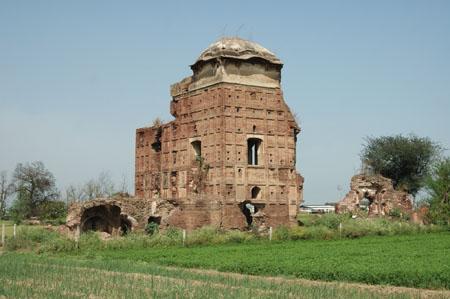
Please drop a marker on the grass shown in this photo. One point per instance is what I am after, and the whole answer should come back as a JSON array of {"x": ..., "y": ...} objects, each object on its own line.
[
  {"x": 419, "y": 261},
  {"x": 9, "y": 227},
  {"x": 370, "y": 251},
  {"x": 33, "y": 276}
]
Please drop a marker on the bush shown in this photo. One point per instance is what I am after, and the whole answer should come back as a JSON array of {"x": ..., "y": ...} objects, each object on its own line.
[
  {"x": 281, "y": 233},
  {"x": 152, "y": 228},
  {"x": 395, "y": 213},
  {"x": 39, "y": 239},
  {"x": 320, "y": 232},
  {"x": 236, "y": 236},
  {"x": 297, "y": 233},
  {"x": 44, "y": 240},
  {"x": 329, "y": 220},
  {"x": 52, "y": 209},
  {"x": 55, "y": 222},
  {"x": 332, "y": 220},
  {"x": 203, "y": 236},
  {"x": 173, "y": 233}
]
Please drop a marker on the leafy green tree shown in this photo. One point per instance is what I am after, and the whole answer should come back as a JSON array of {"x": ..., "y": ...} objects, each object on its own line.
[
  {"x": 437, "y": 186},
  {"x": 34, "y": 185},
  {"x": 405, "y": 160},
  {"x": 52, "y": 209}
]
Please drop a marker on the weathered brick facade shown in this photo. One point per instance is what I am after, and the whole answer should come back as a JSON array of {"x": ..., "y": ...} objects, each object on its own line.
[{"x": 229, "y": 157}]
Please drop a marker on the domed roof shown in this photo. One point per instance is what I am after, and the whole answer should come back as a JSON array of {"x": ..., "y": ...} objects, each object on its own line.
[{"x": 238, "y": 48}]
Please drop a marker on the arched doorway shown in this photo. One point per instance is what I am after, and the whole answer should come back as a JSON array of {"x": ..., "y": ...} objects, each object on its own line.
[{"x": 103, "y": 218}]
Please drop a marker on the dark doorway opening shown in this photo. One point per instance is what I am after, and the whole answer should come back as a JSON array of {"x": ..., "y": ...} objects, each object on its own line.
[
  {"x": 103, "y": 218},
  {"x": 154, "y": 219},
  {"x": 125, "y": 226}
]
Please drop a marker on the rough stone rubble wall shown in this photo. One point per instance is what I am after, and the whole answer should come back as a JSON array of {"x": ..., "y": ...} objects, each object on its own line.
[{"x": 383, "y": 198}]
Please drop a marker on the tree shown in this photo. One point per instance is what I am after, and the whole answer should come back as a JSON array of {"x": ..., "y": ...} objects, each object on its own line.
[
  {"x": 34, "y": 185},
  {"x": 405, "y": 160},
  {"x": 74, "y": 194},
  {"x": 6, "y": 190},
  {"x": 437, "y": 187},
  {"x": 52, "y": 209},
  {"x": 103, "y": 186}
]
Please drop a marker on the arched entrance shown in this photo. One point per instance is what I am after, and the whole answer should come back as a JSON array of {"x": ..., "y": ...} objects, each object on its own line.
[{"x": 105, "y": 218}]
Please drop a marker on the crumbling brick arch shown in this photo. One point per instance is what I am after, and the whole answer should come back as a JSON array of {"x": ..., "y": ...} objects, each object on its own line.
[
  {"x": 106, "y": 218},
  {"x": 380, "y": 193}
]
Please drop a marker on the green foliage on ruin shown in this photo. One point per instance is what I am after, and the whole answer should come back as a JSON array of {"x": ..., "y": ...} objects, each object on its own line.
[
  {"x": 404, "y": 159},
  {"x": 152, "y": 228}
]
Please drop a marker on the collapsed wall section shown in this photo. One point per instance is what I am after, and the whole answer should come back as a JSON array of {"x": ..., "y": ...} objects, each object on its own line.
[{"x": 379, "y": 195}]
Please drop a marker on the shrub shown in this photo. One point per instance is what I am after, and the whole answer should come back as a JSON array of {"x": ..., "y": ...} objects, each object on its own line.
[
  {"x": 91, "y": 240},
  {"x": 297, "y": 233},
  {"x": 173, "y": 233},
  {"x": 332, "y": 220},
  {"x": 152, "y": 228},
  {"x": 395, "y": 213},
  {"x": 281, "y": 233},
  {"x": 52, "y": 209},
  {"x": 203, "y": 236},
  {"x": 236, "y": 236},
  {"x": 39, "y": 239},
  {"x": 55, "y": 222},
  {"x": 320, "y": 232}
]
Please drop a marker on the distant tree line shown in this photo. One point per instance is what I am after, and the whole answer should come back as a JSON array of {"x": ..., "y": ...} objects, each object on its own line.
[{"x": 33, "y": 193}]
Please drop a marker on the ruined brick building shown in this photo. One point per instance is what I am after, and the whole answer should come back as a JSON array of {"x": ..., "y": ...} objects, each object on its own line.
[
  {"x": 228, "y": 158},
  {"x": 232, "y": 142}
]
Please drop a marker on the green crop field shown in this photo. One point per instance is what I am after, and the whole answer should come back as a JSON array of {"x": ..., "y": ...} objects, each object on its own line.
[
  {"x": 384, "y": 265},
  {"x": 419, "y": 261},
  {"x": 33, "y": 276}
]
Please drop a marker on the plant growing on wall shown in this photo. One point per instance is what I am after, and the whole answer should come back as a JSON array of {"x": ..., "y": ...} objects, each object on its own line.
[{"x": 200, "y": 175}]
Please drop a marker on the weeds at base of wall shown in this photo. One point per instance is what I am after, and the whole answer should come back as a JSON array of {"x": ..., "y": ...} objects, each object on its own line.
[{"x": 329, "y": 227}]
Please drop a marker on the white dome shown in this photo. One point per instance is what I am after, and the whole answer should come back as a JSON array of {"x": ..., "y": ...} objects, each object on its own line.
[{"x": 237, "y": 48}]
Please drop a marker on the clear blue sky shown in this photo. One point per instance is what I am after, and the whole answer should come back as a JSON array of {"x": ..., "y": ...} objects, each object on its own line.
[{"x": 78, "y": 77}]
